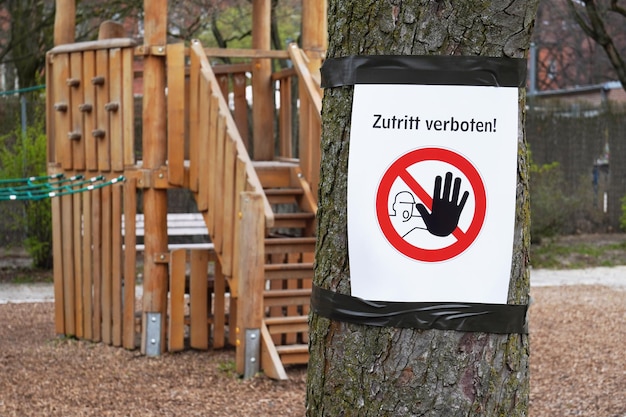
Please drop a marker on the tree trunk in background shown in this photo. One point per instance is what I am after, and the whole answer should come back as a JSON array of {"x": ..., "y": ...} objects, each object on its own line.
[{"x": 383, "y": 371}]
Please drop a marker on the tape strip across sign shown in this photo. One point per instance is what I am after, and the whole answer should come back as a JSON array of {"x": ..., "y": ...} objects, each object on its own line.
[{"x": 432, "y": 178}]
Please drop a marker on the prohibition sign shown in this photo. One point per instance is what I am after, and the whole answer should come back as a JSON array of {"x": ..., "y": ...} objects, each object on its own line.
[{"x": 398, "y": 170}]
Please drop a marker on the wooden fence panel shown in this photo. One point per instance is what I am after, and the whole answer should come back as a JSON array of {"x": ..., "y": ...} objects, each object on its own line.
[
  {"x": 96, "y": 233},
  {"x": 116, "y": 264},
  {"x": 114, "y": 110},
  {"x": 128, "y": 105},
  {"x": 130, "y": 262},
  {"x": 219, "y": 304},
  {"x": 77, "y": 217},
  {"x": 106, "y": 267},
  {"x": 204, "y": 138},
  {"x": 87, "y": 258},
  {"x": 211, "y": 150},
  {"x": 194, "y": 120},
  {"x": 102, "y": 120},
  {"x": 176, "y": 113},
  {"x": 58, "y": 274},
  {"x": 228, "y": 202},
  {"x": 76, "y": 98},
  {"x": 219, "y": 183},
  {"x": 198, "y": 300},
  {"x": 67, "y": 222},
  {"x": 62, "y": 104},
  {"x": 240, "y": 102},
  {"x": 89, "y": 111},
  {"x": 176, "y": 322}
]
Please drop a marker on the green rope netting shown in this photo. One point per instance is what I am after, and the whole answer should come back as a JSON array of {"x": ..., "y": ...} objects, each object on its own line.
[{"x": 38, "y": 188}]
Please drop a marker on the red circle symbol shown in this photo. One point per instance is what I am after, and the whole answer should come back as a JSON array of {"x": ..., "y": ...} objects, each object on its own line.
[{"x": 398, "y": 170}]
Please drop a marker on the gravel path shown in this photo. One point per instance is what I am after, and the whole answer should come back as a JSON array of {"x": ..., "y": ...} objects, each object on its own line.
[
  {"x": 613, "y": 277},
  {"x": 578, "y": 365}
]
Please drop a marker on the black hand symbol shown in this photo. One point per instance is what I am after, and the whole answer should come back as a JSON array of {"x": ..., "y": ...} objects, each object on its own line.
[{"x": 445, "y": 213}]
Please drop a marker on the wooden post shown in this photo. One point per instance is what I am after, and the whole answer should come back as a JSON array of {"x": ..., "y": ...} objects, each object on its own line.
[
  {"x": 251, "y": 284},
  {"x": 314, "y": 39},
  {"x": 64, "y": 22},
  {"x": 262, "y": 91},
  {"x": 154, "y": 143}
]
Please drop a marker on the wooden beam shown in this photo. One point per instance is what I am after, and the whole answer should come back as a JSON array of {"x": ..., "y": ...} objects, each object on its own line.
[
  {"x": 154, "y": 155},
  {"x": 262, "y": 91},
  {"x": 64, "y": 22}
]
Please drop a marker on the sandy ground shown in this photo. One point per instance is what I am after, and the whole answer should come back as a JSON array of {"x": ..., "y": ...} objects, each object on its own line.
[{"x": 578, "y": 365}]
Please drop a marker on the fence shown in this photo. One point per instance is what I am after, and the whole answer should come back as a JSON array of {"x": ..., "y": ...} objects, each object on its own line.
[{"x": 589, "y": 146}]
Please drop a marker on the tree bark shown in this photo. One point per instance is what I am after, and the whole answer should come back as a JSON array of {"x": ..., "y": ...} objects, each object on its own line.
[{"x": 383, "y": 371}]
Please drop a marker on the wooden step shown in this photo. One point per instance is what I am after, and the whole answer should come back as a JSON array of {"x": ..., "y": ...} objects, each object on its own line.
[
  {"x": 283, "y": 195},
  {"x": 289, "y": 297},
  {"x": 274, "y": 174},
  {"x": 293, "y": 354},
  {"x": 298, "y": 220},
  {"x": 290, "y": 324},
  {"x": 289, "y": 271},
  {"x": 275, "y": 245}
]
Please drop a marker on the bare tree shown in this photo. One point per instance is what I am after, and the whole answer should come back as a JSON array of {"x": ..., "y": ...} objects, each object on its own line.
[{"x": 603, "y": 21}]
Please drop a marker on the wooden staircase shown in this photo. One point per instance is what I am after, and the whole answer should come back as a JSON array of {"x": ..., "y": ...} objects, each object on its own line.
[{"x": 288, "y": 272}]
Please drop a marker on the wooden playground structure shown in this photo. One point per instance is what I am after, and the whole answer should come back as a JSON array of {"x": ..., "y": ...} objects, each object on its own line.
[{"x": 250, "y": 285}]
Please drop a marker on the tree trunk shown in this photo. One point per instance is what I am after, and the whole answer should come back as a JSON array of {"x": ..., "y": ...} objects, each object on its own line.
[{"x": 384, "y": 371}]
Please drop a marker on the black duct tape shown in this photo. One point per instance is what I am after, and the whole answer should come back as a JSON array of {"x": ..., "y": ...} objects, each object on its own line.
[
  {"x": 429, "y": 70},
  {"x": 465, "y": 317}
]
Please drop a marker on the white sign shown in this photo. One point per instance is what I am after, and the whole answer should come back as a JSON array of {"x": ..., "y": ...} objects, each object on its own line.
[{"x": 431, "y": 192}]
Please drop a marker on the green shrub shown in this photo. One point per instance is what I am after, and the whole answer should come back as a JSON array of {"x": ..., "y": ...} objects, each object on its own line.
[
  {"x": 556, "y": 211},
  {"x": 622, "y": 217},
  {"x": 24, "y": 155}
]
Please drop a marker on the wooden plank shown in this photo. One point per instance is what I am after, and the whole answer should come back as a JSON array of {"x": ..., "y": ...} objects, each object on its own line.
[
  {"x": 223, "y": 80},
  {"x": 128, "y": 105},
  {"x": 176, "y": 113},
  {"x": 89, "y": 115},
  {"x": 106, "y": 267},
  {"x": 270, "y": 360},
  {"x": 198, "y": 300},
  {"x": 219, "y": 304},
  {"x": 90, "y": 45},
  {"x": 176, "y": 323},
  {"x": 62, "y": 119},
  {"x": 115, "y": 116},
  {"x": 78, "y": 262},
  {"x": 116, "y": 264},
  {"x": 50, "y": 112},
  {"x": 251, "y": 261},
  {"x": 240, "y": 183},
  {"x": 130, "y": 262},
  {"x": 229, "y": 214},
  {"x": 292, "y": 284},
  {"x": 219, "y": 184},
  {"x": 262, "y": 89},
  {"x": 194, "y": 120},
  {"x": 211, "y": 151},
  {"x": 76, "y": 93},
  {"x": 205, "y": 138},
  {"x": 69, "y": 288},
  {"x": 58, "y": 275},
  {"x": 96, "y": 209},
  {"x": 102, "y": 119},
  {"x": 285, "y": 119},
  {"x": 246, "y": 53},
  {"x": 240, "y": 113}
]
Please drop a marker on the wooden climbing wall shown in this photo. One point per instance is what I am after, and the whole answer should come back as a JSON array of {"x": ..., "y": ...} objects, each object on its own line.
[
  {"x": 90, "y": 126},
  {"x": 91, "y": 88}
]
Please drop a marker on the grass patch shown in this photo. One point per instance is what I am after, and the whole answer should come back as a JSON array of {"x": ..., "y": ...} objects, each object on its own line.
[{"x": 565, "y": 254}]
